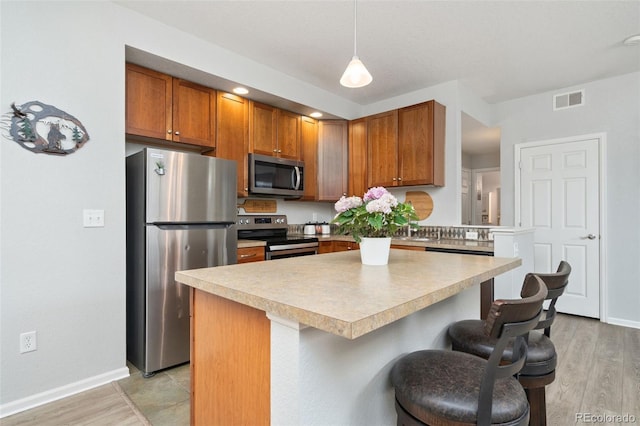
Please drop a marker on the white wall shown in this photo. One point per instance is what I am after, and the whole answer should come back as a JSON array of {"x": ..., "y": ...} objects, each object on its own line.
[
  {"x": 56, "y": 277},
  {"x": 612, "y": 106}
]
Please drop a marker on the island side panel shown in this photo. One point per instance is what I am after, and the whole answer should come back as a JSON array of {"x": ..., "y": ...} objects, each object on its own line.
[
  {"x": 230, "y": 362},
  {"x": 321, "y": 379}
]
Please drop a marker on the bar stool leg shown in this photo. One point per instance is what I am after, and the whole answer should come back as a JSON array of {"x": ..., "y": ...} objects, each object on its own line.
[{"x": 538, "y": 406}]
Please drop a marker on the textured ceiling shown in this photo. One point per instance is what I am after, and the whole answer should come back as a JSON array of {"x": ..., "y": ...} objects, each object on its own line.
[{"x": 501, "y": 50}]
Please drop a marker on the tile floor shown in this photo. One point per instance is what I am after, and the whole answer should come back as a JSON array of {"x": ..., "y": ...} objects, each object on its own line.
[{"x": 163, "y": 398}]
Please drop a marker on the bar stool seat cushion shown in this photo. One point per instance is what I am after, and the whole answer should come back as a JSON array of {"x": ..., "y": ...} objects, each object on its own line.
[
  {"x": 468, "y": 336},
  {"x": 435, "y": 385}
]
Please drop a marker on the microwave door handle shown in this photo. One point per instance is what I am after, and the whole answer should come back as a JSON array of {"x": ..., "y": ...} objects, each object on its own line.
[{"x": 295, "y": 177}]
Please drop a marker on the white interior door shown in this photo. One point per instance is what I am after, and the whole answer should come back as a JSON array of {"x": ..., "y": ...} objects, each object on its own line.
[{"x": 559, "y": 197}]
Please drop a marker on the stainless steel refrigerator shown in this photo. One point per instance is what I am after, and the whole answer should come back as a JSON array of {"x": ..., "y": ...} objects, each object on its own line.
[{"x": 181, "y": 214}]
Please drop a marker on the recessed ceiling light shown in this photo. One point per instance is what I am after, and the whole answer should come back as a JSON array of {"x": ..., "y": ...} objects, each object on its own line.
[
  {"x": 316, "y": 114},
  {"x": 634, "y": 40},
  {"x": 240, "y": 91}
]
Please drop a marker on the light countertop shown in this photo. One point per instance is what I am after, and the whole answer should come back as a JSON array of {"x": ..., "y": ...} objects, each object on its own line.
[
  {"x": 335, "y": 293},
  {"x": 251, "y": 243}
]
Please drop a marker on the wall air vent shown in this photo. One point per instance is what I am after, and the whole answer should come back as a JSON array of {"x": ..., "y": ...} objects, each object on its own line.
[{"x": 568, "y": 100}]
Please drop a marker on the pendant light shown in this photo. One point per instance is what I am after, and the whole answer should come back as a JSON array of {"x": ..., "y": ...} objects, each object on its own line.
[{"x": 356, "y": 75}]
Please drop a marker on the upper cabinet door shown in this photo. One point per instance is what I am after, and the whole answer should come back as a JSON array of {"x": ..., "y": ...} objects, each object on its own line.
[
  {"x": 332, "y": 159},
  {"x": 357, "y": 182},
  {"x": 421, "y": 144},
  {"x": 194, "y": 111},
  {"x": 288, "y": 135},
  {"x": 163, "y": 107},
  {"x": 148, "y": 104},
  {"x": 263, "y": 129},
  {"x": 232, "y": 135},
  {"x": 309, "y": 151},
  {"x": 415, "y": 144},
  {"x": 382, "y": 149}
]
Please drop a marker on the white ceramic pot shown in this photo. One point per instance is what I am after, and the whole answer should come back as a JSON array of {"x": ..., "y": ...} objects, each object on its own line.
[
  {"x": 309, "y": 230},
  {"x": 375, "y": 251}
]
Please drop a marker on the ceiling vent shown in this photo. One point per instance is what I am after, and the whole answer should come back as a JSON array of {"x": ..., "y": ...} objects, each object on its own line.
[{"x": 568, "y": 100}]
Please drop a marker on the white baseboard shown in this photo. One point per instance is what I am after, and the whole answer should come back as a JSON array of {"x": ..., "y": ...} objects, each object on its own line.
[
  {"x": 62, "y": 392},
  {"x": 623, "y": 322}
]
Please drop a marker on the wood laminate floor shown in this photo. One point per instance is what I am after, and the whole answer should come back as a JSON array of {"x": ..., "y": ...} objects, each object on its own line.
[
  {"x": 598, "y": 373},
  {"x": 597, "y": 380}
]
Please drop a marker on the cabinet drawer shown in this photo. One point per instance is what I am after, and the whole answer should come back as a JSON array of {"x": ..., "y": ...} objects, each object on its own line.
[
  {"x": 345, "y": 245},
  {"x": 250, "y": 254}
]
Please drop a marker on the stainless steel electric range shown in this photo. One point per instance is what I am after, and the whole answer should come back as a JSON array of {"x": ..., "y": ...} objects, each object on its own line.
[{"x": 273, "y": 229}]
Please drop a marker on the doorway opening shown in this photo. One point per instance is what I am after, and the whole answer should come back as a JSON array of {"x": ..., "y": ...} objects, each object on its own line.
[{"x": 480, "y": 173}]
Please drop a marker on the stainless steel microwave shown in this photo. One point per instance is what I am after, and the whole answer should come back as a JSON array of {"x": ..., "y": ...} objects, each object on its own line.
[{"x": 275, "y": 177}]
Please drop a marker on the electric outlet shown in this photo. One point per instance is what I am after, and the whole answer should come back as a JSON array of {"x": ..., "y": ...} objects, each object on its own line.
[
  {"x": 471, "y": 235},
  {"x": 93, "y": 218},
  {"x": 314, "y": 217},
  {"x": 28, "y": 342}
]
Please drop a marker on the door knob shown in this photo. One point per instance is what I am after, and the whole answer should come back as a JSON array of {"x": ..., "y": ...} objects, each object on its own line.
[{"x": 591, "y": 236}]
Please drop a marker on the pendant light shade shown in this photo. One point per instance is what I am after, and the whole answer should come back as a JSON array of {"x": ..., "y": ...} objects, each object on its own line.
[{"x": 356, "y": 74}]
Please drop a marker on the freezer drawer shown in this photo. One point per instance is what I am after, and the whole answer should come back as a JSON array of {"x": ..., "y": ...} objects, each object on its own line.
[{"x": 162, "y": 326}]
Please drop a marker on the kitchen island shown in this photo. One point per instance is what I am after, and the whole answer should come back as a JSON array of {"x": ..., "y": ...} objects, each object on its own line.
[{"x": 311, "y": 340}]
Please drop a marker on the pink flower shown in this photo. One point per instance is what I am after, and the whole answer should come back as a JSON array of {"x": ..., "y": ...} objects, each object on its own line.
[
  {"x": 384, "y": 204},
  {"x": 346, "y": 203},
  {"x": 375, "y": 193}
]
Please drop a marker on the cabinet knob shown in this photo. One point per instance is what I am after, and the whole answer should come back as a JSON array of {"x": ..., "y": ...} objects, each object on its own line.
[
  {"x": 177, "y": 133},
  {"x": 275, "y": 150},
  {"x": 279, "y": 151},
  {"x": 394, "y": 179},
  {"x": 169, "y": 131},
  {"x": 400, "y": 179}
]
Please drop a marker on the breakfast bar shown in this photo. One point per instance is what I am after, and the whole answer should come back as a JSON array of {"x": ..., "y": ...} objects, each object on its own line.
[{"x": 311, "y": 340}]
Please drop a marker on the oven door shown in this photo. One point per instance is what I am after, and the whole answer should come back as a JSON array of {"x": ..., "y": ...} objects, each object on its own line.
[{"x": 291, "y": 250}]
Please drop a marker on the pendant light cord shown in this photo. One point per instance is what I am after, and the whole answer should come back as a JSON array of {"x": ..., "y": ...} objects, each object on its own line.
[{"x": 355, "y": 27}]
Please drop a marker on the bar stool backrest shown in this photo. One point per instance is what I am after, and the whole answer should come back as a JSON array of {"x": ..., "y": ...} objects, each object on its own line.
[
  {"x": 556, "y": 284},
  {"x": 509, "y": 319}
]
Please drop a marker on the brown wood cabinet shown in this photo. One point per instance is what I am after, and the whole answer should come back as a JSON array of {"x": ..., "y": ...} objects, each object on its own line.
[
  {"x": 332, "y": 159},
  {"x": 382, "y": 149},
  {"x": 163, "y": 107},
  {"x": 357, "y": 170},
  {"x": 309, "y": 150},
  {"x": 345, "y": 246},
  {"x": 251, "y": 254},
  {"x": 325, "y": 247},
  {"x": 232, "y": 135},
  {"x": 421, "y": 144},
  {"x": 274, "y": 132},
  {"x": 405, "y": 147},
  {"x": 230, "y": 362}
]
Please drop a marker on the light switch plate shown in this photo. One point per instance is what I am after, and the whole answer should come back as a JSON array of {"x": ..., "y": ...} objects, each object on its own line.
[
  {"x": 471, "y": 235},
  {"x": 93, "y": 218}
]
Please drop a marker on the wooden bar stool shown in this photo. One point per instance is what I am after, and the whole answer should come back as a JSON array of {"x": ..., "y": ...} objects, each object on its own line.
[
  {"x": 436, "y": 387},
  {"x": 540, "y": 368}
]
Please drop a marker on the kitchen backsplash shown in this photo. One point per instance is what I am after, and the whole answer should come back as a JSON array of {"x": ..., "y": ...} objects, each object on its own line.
[{"x": 445, "y": 232}]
